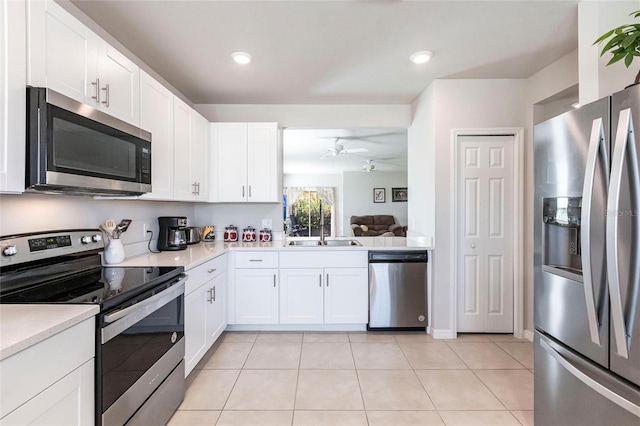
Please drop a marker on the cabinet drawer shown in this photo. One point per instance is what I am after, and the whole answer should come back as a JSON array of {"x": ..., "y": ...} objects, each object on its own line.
[
  {"x": 323, "y": 259},
  {"x": 205, "y": 272},
  {"x": 256, "y": 259}
]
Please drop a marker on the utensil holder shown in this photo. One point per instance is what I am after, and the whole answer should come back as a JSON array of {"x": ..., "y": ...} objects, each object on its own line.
[{"x": 114, "y": 252}]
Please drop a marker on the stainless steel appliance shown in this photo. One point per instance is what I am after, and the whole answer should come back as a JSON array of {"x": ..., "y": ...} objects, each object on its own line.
[
  {"x": 139, "y": 336},
  {"x": 193, "y": 234},
  {"x": 397, "y": 290},
  {"x": 73, "y": 148},
  {"x": 173, "y": 233},
  {"x": 587, "y": 264}
]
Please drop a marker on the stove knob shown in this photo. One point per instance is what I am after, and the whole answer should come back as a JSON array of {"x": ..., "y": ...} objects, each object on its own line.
[
  {"x": 85, "y": 240},
  {"x": 96, "y": 238},
  {"x": 9, "y": 251}
]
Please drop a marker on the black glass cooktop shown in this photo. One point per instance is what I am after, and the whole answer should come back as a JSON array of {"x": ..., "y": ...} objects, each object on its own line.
[{"x": 81, "y": 280}]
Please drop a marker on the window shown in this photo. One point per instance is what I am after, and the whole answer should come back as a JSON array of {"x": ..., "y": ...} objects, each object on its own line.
[{"x": 304, "y": 207}]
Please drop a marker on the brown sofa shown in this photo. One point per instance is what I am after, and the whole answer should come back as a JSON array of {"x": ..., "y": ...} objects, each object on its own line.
[{"x": 376, "y": 224}]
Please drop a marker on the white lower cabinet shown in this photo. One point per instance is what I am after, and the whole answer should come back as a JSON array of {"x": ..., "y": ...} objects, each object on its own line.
[
  {"x": 324, "y": 296},
  {"x": 256, "y": 296},
  {"x": 49, "y": 384},
  {"x": 205, "y": 309}
]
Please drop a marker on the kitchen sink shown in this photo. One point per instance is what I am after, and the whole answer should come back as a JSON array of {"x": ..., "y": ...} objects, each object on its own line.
[
  {"x": 316, "y": 243},
  {"x": 341, "y": 243}
]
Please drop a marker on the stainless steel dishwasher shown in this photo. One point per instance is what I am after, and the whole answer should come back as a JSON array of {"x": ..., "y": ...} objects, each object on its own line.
[{"x": 397, "y": 289}]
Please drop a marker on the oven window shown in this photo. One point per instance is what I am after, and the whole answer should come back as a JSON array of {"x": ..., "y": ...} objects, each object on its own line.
[
  {"x": 92, "y": 153},
  {"x": 126, "y": 357}
]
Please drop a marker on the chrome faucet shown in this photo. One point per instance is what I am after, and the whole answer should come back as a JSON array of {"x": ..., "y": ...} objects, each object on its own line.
[{"x": 321, "y": 222}]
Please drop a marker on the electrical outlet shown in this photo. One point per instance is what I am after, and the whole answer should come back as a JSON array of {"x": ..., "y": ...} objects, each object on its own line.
[
  {"x": 266, "y": 223},
  {"x": 145, "y": 228}
]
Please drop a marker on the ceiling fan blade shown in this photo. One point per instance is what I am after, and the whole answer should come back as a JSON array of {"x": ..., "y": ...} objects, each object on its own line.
[{"x": 355, "y": 150}]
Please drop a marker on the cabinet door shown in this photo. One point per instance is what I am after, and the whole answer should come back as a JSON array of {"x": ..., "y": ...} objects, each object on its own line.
[
  {"x": 217, "y": 308},
  {"x": 119, "y": 84},
  {"x": 183, "y": 188},
  {"x": 256, "y": 296},
  {"x": 301, "y": 296},
  {"x": 346, "y": 296},
  {"x": 61, "y": 54},
  {"x": 262, "y": 162},
  {"x": 230, "y": 158},
  {"x": 195, "y": 320},
  {"x": 12, "y": 95},
  {"x": 199, "y": 157},
  {"x": 69, "y": 401},
  {"x": 156, "y": 116}
]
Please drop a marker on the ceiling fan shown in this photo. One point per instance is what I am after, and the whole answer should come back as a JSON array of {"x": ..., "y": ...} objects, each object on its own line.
[
  {"x": 369, "y": 167},
  {"x": 337, "y": 148}
]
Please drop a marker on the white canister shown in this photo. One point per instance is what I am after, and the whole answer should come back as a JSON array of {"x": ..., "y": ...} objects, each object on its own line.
[{"x": 114, "y": 252}]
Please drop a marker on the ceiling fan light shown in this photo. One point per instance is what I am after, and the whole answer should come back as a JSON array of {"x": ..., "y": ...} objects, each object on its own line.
[
  {"x": 242, "y": 58},
  {"x": 421, "y": 57}
]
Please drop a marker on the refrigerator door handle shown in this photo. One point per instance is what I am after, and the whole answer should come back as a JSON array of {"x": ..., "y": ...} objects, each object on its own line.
[
  {"x": 593, "y": 384},
  {"x": 623, "y": 134},
  {"x": 597, "y": 146}
]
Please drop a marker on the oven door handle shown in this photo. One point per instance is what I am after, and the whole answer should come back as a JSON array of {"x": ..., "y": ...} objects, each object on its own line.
[{"x": 135, "y": 313}]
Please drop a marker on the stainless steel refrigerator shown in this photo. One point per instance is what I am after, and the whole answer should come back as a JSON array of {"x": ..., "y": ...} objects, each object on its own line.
[{"x": 587, "y": 264}]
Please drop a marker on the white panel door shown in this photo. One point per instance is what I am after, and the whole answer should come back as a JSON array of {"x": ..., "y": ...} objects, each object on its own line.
[
  {"x": 262, "y": 162},
  {"x": 216, "y": 308},
  {"x": 346, "y": 294},
  {"x": 256, "y": 296},
  {"x": 183, "y": 188},
  {"x": 156, "y": 117},
  {"x": 301, "y": 296},
  {"x": 200, "y": 157},
  {"x": 485, "y": 234},
  {"x": 231, "y": 162}
]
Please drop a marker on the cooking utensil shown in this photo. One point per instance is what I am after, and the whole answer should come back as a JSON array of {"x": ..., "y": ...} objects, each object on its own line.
[
  {"x": 109, "y": 226},
  {"x": 124, "y": 225}
]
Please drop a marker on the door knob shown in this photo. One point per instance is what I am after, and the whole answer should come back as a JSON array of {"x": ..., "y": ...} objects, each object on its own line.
[{"x": 473, "y": 246}]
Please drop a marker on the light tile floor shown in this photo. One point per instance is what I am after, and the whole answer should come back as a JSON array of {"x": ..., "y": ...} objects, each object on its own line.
[{"x": 393, "y": 379}]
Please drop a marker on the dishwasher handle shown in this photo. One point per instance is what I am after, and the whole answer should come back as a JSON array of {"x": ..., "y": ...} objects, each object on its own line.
[{"x": 399, "y": 256}]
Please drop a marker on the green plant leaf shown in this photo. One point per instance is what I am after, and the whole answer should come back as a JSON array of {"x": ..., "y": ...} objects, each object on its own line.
[
  {"x": 604, "y": 36},
  {"x": 628, "y": 59},
  {"x": 616, "y": 57}
]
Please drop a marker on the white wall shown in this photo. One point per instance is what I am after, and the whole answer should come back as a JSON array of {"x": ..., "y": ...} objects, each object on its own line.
[
  {"x": 45, "y": 212},
  {"x": 241, "y": 215},
  {"x": 312, "y": 116},
  {"x": 324, "y": 180},
  {"x": 453, "y": 104},
  {"x": 358, "y": 196},
  {"x": 595, "y": 18}
]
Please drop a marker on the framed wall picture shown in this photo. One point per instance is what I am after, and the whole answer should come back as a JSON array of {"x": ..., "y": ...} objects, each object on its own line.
[
  {"x": 378, "y": 195},
  {"x": 398, "y": 194}
]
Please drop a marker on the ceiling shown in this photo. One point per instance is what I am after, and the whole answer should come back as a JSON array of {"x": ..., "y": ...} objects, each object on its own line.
[
  {"x": 306, "y": 151},
  {"x": 335, "y": 52}
]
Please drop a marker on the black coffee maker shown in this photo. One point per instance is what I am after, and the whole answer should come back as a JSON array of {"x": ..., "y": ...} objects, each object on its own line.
[{"x": 173, "y": 235}]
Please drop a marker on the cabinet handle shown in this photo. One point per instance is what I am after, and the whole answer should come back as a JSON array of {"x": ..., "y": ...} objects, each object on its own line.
[
  {"x": 198, "y": 188},
  {"x": 327, "y": 280},
  {"x": 97, "y": 84},
  {"x": 249, "y": 191},
  {"x": 242, "y": 191},
  {"x": 214, "y": 293},
  {"x": 211, "y": 271},
  {"x": 274, "y": 280},
  {"x": 209, "y": 296},
  {"x": 320, "y": 280},
  {"x": 255, "y": 260},
  {"x": 106, "y": 89}
]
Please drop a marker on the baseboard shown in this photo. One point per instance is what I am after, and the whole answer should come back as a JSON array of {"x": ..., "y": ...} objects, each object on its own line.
[
  {"x": 528, "y": 335},
  {"x": 296, "y": 327},
  {"x": 443, "y": 334}
]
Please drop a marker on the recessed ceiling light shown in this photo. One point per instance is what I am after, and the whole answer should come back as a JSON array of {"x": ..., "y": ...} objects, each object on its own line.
[
  {"x": 576, "y": 105},
  {"x": 421, "y": 57},
  {"x": 241, "y": 57}
]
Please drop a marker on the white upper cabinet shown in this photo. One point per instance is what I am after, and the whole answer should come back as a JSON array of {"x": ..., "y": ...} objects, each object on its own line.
[
  {"x": 65, "y": 56},
  {"x": 190, "y": 152},
  {"x": 12, "y": 95},
  {"x": 245, "y": 156},
  {"x": 156, "y": 117}
]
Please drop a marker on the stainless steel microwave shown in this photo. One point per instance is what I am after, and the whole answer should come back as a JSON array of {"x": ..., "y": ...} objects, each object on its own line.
[{"x": 73, "y": 148}]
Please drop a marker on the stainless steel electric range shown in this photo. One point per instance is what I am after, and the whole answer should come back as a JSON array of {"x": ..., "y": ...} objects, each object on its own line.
[{"x": 139, "y": 337}]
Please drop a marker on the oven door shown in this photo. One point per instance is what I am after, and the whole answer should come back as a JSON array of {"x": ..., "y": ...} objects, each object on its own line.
[{"x": 140, "y": 345}]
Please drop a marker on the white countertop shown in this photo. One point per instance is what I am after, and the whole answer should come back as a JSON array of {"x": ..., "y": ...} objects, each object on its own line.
[
  {"x": 196, "y": 254},
  {"x": 22, "y": 326}
]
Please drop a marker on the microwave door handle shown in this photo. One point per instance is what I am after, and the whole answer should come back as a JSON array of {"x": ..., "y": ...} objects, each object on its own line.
[
  {"x": 597, "y": 146},
  {"x": 623, "y": 134}
]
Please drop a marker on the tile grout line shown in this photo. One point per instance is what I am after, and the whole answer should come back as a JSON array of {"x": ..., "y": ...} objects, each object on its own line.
[{"x": 235, "y": 382}]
